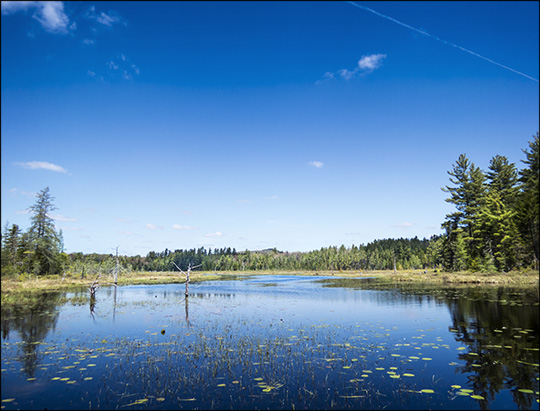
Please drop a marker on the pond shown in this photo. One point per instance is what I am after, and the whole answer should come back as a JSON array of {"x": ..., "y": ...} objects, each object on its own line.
[{"x": 273, "y": 342}]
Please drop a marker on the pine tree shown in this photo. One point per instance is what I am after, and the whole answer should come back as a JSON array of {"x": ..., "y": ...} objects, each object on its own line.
[
  {"x": 43, "y": 244},
  {"x": 11, "y": 241},
  {"x": 468, "y": 196},
  {"x": 527, "y": 205},
  {"x": 503, "y": 177},
  {"x": 496, "y": 227}
]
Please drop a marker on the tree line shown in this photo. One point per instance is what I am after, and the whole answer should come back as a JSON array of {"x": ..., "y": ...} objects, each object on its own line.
[
  {"x": 495, "y": 227},
  {"x": 39, "y": 250}
]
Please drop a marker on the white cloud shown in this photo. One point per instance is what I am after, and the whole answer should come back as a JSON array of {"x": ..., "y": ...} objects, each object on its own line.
[
  {"x": 36, "y": 165},
  {"x": 371, "y": 62},
  {"x": 89, "y": 42},
  {"x": 366, "y": 64},
  {"x": 317, "y": 164},
  {"x": 50, "y": 14},
  {"x": 346, "y": 74},
  {"x": 9, "y": 7},
  {"x": 183, "y": 227},
  {"x": 107, "y": 19},
  {"x": 216, "y": 234}
]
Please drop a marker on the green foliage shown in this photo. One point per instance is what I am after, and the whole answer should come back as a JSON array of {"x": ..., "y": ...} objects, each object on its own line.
[
  {"x": 37, "y": 251},
  {"x": 496, "y": 223}
]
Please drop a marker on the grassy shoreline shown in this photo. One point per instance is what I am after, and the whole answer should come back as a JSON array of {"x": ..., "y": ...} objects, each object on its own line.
[{"x": 70, "y": 283}]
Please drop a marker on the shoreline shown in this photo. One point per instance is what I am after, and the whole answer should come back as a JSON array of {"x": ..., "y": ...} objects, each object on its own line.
[{"x": 528, "y": 279}]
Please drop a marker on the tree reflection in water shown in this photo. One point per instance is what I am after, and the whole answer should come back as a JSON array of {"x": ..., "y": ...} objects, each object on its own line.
[
  {"x": 499, "y": 326},
  {"x": 33, "y": 316},
  {"x": 498, "y": 355}
]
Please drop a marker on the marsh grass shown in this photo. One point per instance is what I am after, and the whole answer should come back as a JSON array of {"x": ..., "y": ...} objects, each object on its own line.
[{"x": 74, "y": 283}]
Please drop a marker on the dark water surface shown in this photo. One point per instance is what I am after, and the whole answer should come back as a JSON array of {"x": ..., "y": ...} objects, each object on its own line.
[{"x": 273, "y": 342}]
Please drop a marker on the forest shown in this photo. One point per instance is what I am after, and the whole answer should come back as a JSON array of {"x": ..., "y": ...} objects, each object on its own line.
[{"x": 495, "y": 228}]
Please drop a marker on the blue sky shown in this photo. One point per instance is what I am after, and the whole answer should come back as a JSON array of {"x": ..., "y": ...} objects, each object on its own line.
[{"x": 295, "y": 125}]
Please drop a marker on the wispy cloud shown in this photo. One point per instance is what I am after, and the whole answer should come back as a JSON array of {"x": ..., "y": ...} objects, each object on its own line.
[
  {"x": 154, "y": 227},
  {"x": 112, "y": 65},
  {"x": 366, "y": 65},
  {"x": 124, "y": 66},
  {"x": 123, "y": 220},
  {"x": 317, "y": 164},
  {"x": 72, "y": 229},
  {"x": 16, "y": 191},
  {"x": 405, "y": 224},
  {"x": 42, "y": 165},
  {"x": 50, "y": 14},
  {"x": 107, "y": 19},
  {"x": 60, "y": 217},
  {"x": 127, "y": 233},
  {"x": 216, "y": 234},
  {"x": 183, "y": 227},
  {"x": 371, "y": 62}
]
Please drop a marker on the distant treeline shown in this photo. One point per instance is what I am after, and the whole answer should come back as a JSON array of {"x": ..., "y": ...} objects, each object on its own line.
[
  {"x": 378, "y": 255},
  {"x": 495, "y": 227}
]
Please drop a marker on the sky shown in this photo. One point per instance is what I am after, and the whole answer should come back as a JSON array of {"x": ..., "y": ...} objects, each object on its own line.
[{"x": 254, "y": 125}]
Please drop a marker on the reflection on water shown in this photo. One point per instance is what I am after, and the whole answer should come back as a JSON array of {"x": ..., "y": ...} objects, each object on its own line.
[
  {"x": 497, "y": 326},
  {"x": 276, "y": 342}
]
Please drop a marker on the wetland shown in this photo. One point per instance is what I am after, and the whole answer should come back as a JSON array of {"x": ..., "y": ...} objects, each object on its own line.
[{"x": 273, "y": 342}]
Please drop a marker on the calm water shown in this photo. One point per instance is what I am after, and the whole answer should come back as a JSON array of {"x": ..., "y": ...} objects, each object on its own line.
[{"x": 273, "y": 342}]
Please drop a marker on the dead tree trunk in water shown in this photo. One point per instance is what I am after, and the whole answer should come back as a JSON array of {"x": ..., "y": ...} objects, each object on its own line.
[
  {"x": 116, "y": 268},
  {"x": 187, "y": 275},
  {"x": 92, "y": 290}
]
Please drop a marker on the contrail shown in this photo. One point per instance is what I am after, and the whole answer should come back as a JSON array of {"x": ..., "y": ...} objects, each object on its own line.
[{"x": 439, "y": 39}]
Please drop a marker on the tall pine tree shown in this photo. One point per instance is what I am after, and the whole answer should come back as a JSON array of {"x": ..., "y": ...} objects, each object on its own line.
[
  {"x": 42, "y": 241},
  {"x": 527, "y": 207}
]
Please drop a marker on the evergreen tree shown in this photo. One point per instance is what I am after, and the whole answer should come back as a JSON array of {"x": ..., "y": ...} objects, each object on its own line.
[
  {"x": 502, "y": 178},
  {"x": 496, "y": 227},
  {"x": 43, "y": 244},
  {"x": 11, "y": 241},
  {"x": 527, "y": 206},
  {"x": 467, "y": 195}
]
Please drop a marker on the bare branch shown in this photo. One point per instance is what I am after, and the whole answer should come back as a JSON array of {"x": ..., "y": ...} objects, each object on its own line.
[{"x": 179, "y": 269}]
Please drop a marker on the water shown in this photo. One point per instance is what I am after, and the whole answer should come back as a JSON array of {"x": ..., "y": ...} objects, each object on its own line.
[{"x": 273, "y": 342}]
